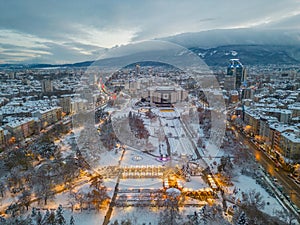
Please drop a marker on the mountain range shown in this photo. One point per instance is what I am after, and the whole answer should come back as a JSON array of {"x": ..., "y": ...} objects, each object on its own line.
[{"x": 216, "y": 47}]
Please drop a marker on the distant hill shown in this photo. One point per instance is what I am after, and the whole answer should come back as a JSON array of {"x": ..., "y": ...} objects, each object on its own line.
[
  {"x": 39, "y": 66},
  {"x": 218, "y": 56},
  {"x": 252, "y": 46},
  {"x": 249, "y": 54},
  {"x": 245, "y": 36},
  {"x": 216, "y": 47}
]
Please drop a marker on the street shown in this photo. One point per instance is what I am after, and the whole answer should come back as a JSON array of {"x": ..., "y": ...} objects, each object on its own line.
[{"x": 289, "y": 186}]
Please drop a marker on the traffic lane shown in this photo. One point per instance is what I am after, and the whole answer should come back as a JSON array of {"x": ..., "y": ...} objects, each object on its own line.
[
  {"x": 289, "y": 186},
  {"x": 281, "y": 174}
]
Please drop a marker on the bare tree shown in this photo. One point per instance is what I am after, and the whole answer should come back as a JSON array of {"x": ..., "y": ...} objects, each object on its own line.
[
  {"x": 2, "y": 188},
  {"x": 43, "y": 185},
  {"x": 170, "y": 216},
  {"x": 80, "y": 198},
  {"x": 72, "y": 200},
  {"x": 15, "y": 179},
  {"x": 252, "y": 204},
  {"x": 98, "y": 193},
  {"x": 24, "y": 199},
  {"x": 253, "y": 199},
  {"x": 13, "y": 209},
  {"x": 212, "y": 215}
]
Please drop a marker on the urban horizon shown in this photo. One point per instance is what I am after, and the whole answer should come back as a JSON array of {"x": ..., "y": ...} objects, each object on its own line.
[{"x": 162, "y": 113}]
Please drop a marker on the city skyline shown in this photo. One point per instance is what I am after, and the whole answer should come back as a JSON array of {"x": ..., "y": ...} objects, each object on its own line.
[
  {"x": 149, "y": 112},
  {"x": 99, "y": 151}
]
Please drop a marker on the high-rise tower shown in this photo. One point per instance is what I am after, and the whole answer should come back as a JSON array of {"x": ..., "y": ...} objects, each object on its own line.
[
  {"x": 237, "y": 70},
  {"x": 46, "y": 84}
]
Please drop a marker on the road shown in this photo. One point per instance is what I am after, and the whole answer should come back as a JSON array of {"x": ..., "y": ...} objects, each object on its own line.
[{"x": 289, "y": 186}]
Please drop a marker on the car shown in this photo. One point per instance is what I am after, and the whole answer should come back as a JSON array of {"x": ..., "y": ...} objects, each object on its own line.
[
  {"x": 281, "y": 197},
  {"x": 277, "y": 165}
]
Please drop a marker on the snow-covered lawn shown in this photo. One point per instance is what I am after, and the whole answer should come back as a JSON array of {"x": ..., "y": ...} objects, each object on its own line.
[
  {"x": 86, "y": 217},
  {"x": 245, "y": 184},
  {"x": 145, "y": 215},
  {"x": 110, "y": 158},
  {"x": 142, "y": 183},
  {"x": 137, "y": 215}
]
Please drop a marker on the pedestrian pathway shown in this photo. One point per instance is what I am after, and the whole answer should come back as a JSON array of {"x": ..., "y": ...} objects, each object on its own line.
[{"x": 113, "y": 199}]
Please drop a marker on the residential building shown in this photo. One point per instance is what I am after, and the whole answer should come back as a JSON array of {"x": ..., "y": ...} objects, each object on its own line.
[{"x": 290, "y": 145}]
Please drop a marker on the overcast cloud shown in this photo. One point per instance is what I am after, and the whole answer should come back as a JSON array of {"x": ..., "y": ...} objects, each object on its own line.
[{"x": 67, "y": 31}]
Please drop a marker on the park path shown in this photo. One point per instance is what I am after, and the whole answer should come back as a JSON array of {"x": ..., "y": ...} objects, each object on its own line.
[{"x": 113, "y": 199}]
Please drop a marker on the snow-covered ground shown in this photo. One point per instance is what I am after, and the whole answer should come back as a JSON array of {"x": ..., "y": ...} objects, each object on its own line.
[
  {"x": 244, "y": 184},
  {"x": 171, "y": 127},
  {"x": 86, "y": 217},
  {"x": 138, "y": 158},
  {"x": 196, "y": 183},
  {"x": 110, "y": 158},
  {"x": 180, "y": 144},
  {"x": 142, "y": 183},
  {"x": 145, "y": 215},
  {"x": 211, "y": 155},
  {"x": 137, "y": 215}
]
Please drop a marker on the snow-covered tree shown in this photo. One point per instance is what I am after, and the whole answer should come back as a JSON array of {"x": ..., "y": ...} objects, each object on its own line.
[
  {"x": 2, "y": 220},
  {"x": 80, "y": 198},
  {"x": 51, "y": 219},
  {"x": 72, "y": 200},
  {"x": 242, "y": 219},
  {"x": 123, "y": 222},
  {"x": 33, "y": 212},
  {"x": 2, "y": 189},
  {"x": 96, "y": 181},
  {"x": 253, "y": 199},
  {"x": 72, "y": 221},
  {"x": 59, "y": 217},
  {"x": 126, "y": 222},
  {"x": 212, "y": 215},
  {"x": 38, "y": 218},
  {"x": 25, "y": 198},
  {"x": 27, "y": 221},
  {"x": 98, "y": 193},
  {"x": 43, "y": 184},
  {"x": 13, "y": 209},
  {"x": 18, "y": 221},
  {"x": 45, "y": 218},
  {"x": 170, "y": 215},
  {"x": 286, "y": 216},
  {"x": 116, "y": 222}
]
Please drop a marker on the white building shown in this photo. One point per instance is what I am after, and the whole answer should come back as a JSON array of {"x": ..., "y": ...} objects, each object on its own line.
[{"x": 165, "y": 95}]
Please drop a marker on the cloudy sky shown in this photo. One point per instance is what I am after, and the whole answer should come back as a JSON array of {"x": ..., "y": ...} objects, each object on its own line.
[{"x": 56, "y": 31}]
